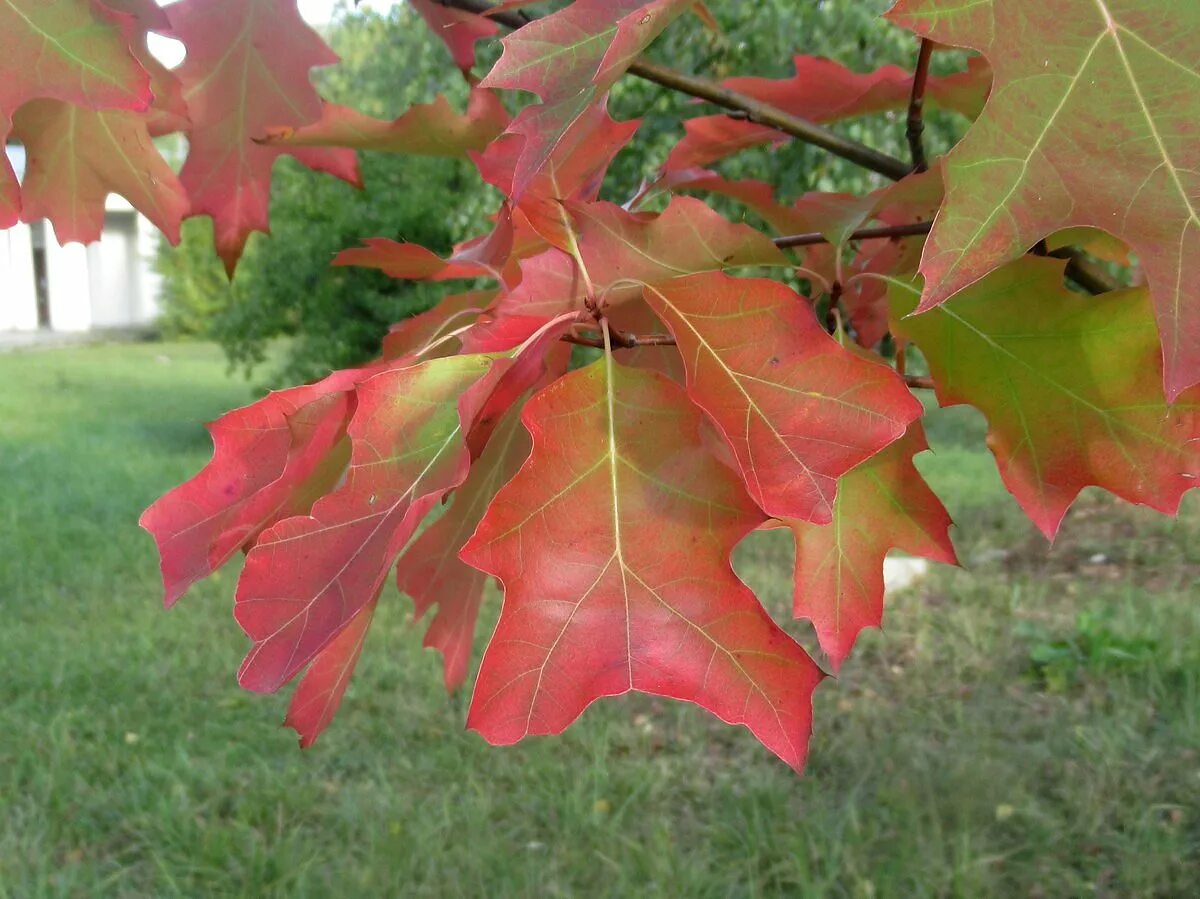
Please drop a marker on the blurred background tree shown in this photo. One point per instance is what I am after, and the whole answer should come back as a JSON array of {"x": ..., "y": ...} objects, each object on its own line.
[{"x": 335, "y": 317}]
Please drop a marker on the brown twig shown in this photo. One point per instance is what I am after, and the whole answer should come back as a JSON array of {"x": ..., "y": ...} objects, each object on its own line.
[
  {"x": 753, "y": 110},
  {"x": 621, "y": 339},
  {"x": 1080, "y": 269},
  {"x": 630, "y": 341},
  {"x": 1086, "y": 273},
  {"x": 815, "y": 237},
  {"x": 916, "y": 107}
]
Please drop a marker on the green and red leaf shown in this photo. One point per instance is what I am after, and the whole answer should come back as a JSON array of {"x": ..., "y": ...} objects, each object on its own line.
[
  {"x": 882, "y": 504},
  {"x": 569, "y": 59},
  {"x": 1071, "y": 387},
  {"x": 1091, "y": 123}
]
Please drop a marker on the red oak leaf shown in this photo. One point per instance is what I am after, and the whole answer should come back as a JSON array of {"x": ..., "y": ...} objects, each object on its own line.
[
  {"x": 74, "y": 51},
  {"x": 882, "y": 504},
  {"x": 319, "y": 693},
  {"x": 263, "y": 455},
  {"x": 458, "y": 29},
  {"x": 621, "y": 251},
  {"x": 572, "y": 173},
  {"x": 426, "y": 129},
  {"x": 613, "y": 543},
  {"x": 246, "y": 72},
  {"x": 308, "y": 577},
  {"x": 1071, "y": 387},
  {"x": 430, "y": 570},
  {"x": 413, "y": 433},
  {"x": 821, "y": 91},
  {"x": 489, "y": 256},
  {"x": 1092, "y": 122},
  {"x": 797, "y": 408},
  {"x": 76, "y": 157},
  {"x": 453, "y": 312},
  {"x": 569, "y": 59}
]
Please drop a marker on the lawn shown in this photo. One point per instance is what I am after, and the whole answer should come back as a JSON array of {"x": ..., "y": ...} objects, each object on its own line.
[{"x": 1027, "y": 726}]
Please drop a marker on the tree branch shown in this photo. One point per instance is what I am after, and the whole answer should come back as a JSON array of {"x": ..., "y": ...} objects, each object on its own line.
[
  {"x": 816, "y": 237},
  {"x": 630, "y": 341},
  {"x": 751, "y": 109},
  {"x": 1086, "y": 273},
  {"x": 1080, "y": 269},
  {"x": 621, "y": 339},
  {"x": 916, "y": 106}
]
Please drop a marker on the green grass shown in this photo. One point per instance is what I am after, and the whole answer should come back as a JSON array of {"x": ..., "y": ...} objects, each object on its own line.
[{"x": 1027, "y": 727}]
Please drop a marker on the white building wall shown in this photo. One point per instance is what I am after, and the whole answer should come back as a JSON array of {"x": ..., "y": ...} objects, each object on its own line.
[
  {"x": 109, "y": 284},
  {"x": 18, "y": 292},
  {"x": 150, "y": 287},
  {"x": 69, "y": 280},
  {"x": 114, "y": 273}
]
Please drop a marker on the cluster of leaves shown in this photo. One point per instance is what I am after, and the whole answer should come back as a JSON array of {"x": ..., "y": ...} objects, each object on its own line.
[
  {"x": 284, "y": 286},
  {"x": 607, "y": 499}
]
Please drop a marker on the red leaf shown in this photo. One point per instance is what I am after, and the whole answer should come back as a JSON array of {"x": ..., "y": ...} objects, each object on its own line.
[
  {"x": 76, "y": 157},
  {"x": 882, "y": 504},
  {"x": 453, "y": 312},
  {"x": 459, "y": 30},
  {"x": 246, "y": 72},
  {"x": 426, "y": 129},
  {"x": 319, "y": 693},
  {"x": 572, "y": 173},
  {"x": 262, "y": 456},
  {"x": 413, "y": 434},
  {"x": 485, "y": 257},
  {"x": 308, "y": 577},
  {"x": 430, "y": 570},
  {"x": 569, "y": 59},
  {"x": 613, "y": 544},
  {"x": 798, "y": 409},
  {"x": 821, "y": 91}
]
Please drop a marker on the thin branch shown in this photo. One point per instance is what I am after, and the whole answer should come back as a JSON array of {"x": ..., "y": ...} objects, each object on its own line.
[
  {"x": 916, "y": 106},
  {"x": 766, "y": 114},
  {"x": 1080, "y": 269},
  {"x": 1086, "y": 273},
  {"x": 752, "y": 110},
  {"x": 630, "y": 341},
  {"x": 621, "y": 339},
  {"x": 815, "y": 237}
]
